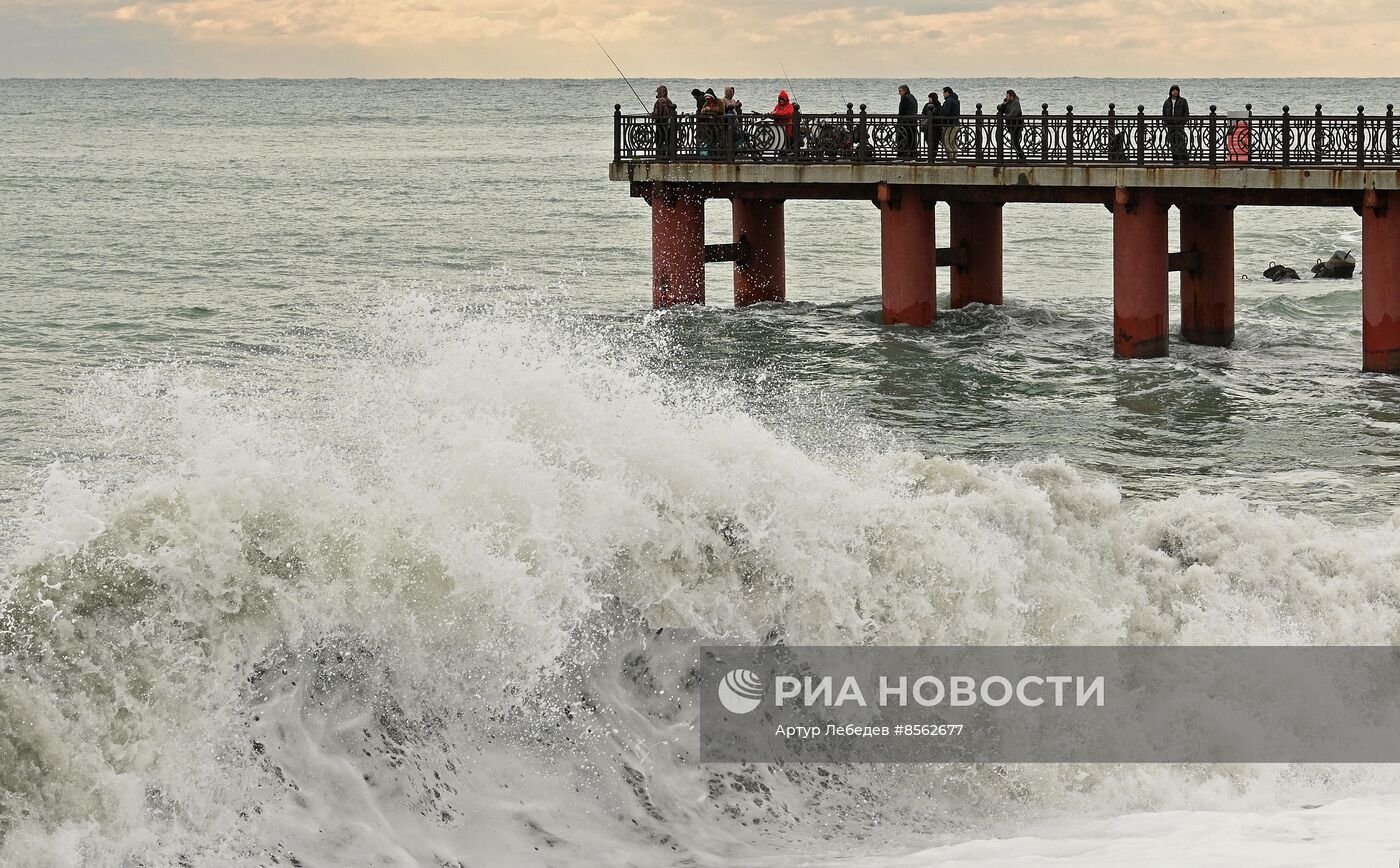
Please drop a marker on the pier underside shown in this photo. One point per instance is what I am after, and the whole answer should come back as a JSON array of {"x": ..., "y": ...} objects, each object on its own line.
[{"x": 1139, "y": 200}]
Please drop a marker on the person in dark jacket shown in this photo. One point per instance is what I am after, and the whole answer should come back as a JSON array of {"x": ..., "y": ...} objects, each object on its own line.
[
  {"x": 733, "y": 112},
  {"x": 712, "y": 127},
  {"x": 931, "y": 126},
  {"x": 665, "y": 114},
  {"x": 1010, "y": 109},
  {"x": 949, "y": 113},
  {"x": 1175, "y": 111},
  {"x": 699, "y": 96},
  {"x": 908, "y": 135},
  {"x": 908, "y": 105}
]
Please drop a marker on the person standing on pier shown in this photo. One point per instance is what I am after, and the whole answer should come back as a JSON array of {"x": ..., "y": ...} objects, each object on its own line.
[
  {"x": 733, "y": 110},
  {"x": 908, "y": 137},
  {"x": 931, "y": 127},
  {"x": 1176, "y": 111},
  {"x": 1010, "y": 108},
  {"x": 950, "y": 111},
  {"x": 664, "y": 112},
  {"x": 782, "y": 115},
  {"x": 711, "y": 124}
]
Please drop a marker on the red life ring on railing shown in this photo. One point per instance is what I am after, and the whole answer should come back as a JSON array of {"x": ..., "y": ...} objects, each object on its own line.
[{"x": 1237, "y": 143}]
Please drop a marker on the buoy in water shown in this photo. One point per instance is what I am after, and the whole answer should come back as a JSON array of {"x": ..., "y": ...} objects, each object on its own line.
[
  {"x": 1279, "y": 273},
  {"x": 1339, "y": 267}
]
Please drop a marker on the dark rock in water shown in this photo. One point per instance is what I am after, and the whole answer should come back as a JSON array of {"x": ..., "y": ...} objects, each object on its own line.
[
  {"x": 1339, "y": 267},
  {"x": 1279, "y": 273}
]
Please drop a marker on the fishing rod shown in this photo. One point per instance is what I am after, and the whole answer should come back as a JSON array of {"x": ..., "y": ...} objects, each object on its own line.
[
  {"x": 640, "y": 101},
  {"x": 792, "y": 91}
]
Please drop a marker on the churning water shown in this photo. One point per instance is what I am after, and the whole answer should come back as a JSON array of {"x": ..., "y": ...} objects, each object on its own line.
[{"x": 357, "y": 511}]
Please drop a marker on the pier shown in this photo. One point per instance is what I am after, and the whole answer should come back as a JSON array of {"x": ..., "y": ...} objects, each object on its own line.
[{"x": 1123, "y": 161}]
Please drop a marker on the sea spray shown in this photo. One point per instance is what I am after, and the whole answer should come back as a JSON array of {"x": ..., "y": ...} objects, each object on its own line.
[{"x": 438, "y": 606}]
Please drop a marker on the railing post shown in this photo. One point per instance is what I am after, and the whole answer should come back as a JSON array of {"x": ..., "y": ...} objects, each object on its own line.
[
  {"x": 1317, "y": 134},
  {"x": 730, "y": 133},
  {"x": 617, "y": 132},
  {"x": 863, "y": 149},
  {"x": 1112, "y": 127},
  {"x": 851, "y": 124},
  {"x": 1214, "y": 145},
  {"x": 1360, "y": 136},
  {"x": 796, "y": 134},
  {"x": 1045, "y": 132},
  {"x": 1142, "y": 134},
  {"x": 1069, "y": 135},
  {"x": 931, "y": 130},
  {"x": 977, "y": 135},
  {"x": 1390, "y": 134},
  {"x": 1287, "y": 136},
  {"x": 1001, "y": 137},
  {"x": 1249, "y": 127}
]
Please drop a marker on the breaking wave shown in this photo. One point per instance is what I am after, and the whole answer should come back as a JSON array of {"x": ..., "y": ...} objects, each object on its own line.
[{"x": 434, "y": 606}]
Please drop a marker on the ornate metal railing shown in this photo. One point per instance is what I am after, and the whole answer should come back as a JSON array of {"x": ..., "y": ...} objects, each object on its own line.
[{"x": 856, "y": 136}]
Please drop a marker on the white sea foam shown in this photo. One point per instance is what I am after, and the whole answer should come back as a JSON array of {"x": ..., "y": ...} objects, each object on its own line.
[{"x": 434, "y": 609}]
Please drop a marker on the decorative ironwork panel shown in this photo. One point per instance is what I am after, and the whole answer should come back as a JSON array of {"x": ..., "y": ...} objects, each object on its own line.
[{"x": 1044, "y": 139}]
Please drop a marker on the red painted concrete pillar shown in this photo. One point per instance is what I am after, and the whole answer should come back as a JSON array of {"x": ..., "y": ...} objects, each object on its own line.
[
  {"x": 908, "y": 266},
  {"x": 1208, "y": 292},
  {"x": 1139, "y": 275},
  {"x": 1380, "y": 285},
  {"x": 763, "y": 277},
  {"x": 677, "y": 248},
  {"x": 976, "y": 227}
]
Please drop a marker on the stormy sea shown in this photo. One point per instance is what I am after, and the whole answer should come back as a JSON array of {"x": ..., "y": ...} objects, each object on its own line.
[{"x": 357, "y": 510}]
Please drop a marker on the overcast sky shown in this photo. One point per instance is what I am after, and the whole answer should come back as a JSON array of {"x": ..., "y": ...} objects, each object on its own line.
[{"x": 684, "y": 38}]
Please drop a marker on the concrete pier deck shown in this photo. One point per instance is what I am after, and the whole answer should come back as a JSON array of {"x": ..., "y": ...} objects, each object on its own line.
[{"x": 1320, "y": 186}]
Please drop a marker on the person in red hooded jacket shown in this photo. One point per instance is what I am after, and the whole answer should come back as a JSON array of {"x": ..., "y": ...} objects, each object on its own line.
[{"x": 782, "y": 113}]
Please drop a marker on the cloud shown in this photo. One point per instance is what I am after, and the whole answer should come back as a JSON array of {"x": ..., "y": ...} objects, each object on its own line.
[
  {"x": 386, "y": 22},
  {"x": 733, "y": 37},
  {"x": 322, "y": 22}
]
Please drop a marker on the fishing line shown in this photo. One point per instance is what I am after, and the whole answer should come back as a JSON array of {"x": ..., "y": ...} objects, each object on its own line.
[
  {"x": 640, "y": 101},
  {"x": 792, "y": 91}
]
